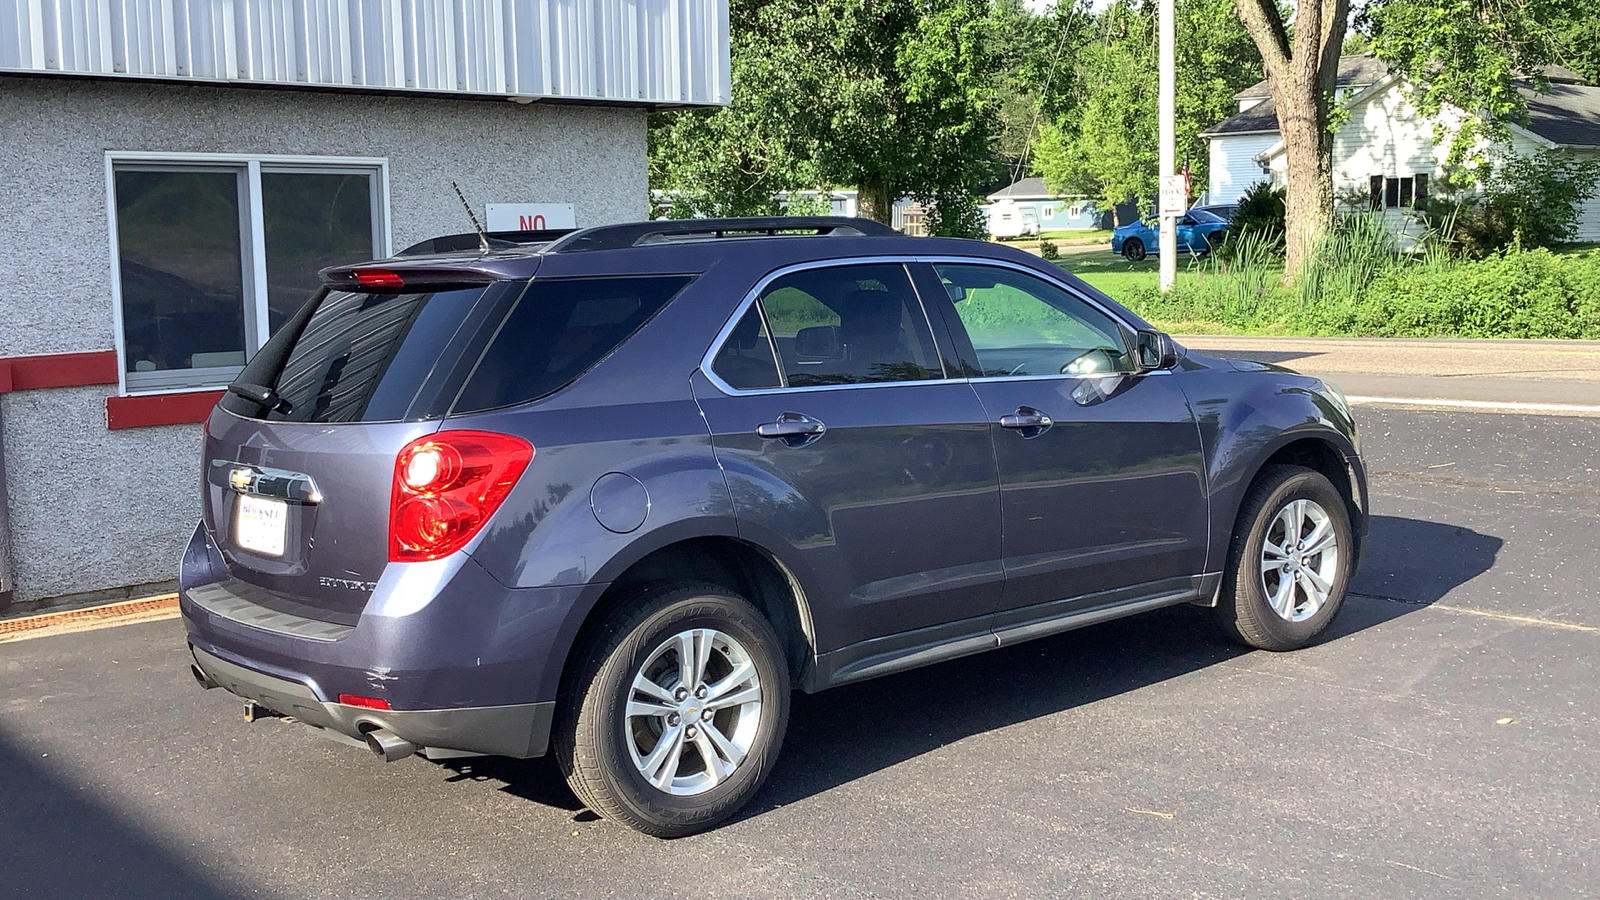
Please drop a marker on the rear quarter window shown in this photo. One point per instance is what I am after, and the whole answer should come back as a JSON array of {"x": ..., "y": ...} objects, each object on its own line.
[{"x": 558, "y": 330}]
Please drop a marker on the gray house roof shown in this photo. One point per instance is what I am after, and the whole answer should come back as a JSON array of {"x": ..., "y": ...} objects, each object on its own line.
[
  {"x": 1568, "y": 115},
  {"x": 1354, "y": 71},
  {"x": 1259, "y": 119}
]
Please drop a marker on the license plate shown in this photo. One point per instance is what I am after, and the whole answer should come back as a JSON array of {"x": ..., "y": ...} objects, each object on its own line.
[{"x": 261, "y": 525}]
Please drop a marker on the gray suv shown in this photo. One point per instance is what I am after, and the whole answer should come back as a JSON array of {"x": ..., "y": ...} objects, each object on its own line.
[{"x": 613, "y": 496}]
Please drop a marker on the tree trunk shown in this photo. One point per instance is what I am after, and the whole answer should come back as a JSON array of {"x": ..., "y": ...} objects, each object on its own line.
[
  {"x": 873, "y": 201},
  {"x": 1308, "y": 154},
  {"x": 1302, "y": 71}
]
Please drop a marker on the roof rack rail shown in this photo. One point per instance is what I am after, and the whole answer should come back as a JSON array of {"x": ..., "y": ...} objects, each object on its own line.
[
  {"x": 498, "y": 240},
  {"x": 661, "y": 231}
]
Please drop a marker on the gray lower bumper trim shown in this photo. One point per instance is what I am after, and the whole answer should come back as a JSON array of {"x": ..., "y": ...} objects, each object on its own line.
[{"x": 520, "y": 731}]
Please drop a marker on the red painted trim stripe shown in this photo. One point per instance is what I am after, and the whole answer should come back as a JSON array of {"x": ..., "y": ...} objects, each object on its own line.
[
  {"x": 160, "y": 409},
  {"x": 56, "y": 370}
]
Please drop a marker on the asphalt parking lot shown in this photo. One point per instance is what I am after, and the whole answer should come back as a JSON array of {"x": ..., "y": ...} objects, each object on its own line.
[{"x": 1442, "y": 742}]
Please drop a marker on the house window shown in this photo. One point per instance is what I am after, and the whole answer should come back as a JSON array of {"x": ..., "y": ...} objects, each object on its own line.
[
  {"x": 1398, "y": 193},
  {"x": 213, "y": 253},
  {"x": 1046, "y": 212}
]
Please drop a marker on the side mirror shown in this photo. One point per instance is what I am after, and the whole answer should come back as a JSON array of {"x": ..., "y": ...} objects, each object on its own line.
[{"x": 1155, "y": 350}]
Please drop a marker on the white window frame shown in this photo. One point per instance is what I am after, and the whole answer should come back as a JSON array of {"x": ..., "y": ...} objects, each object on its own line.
[{"x": 252, "y": 232}]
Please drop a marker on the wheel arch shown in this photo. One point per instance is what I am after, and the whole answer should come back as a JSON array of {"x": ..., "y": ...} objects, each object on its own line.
[
  {"x": 719, "y": 559},
  {"x": 1319, "y": 452}
]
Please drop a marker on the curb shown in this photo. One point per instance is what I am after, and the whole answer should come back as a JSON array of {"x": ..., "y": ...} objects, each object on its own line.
[{"x": 126, "y": 612}]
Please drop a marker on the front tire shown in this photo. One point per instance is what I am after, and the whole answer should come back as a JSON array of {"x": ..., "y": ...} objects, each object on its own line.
[
  {"x": 1289, "y": 562},
  {"x": 1133, "y": 250},
  {"x": 676, "y": 712}
]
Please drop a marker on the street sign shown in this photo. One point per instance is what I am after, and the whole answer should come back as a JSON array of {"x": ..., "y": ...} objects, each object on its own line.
[
  {"x": 1174, "y": 195},
  {"x": 530, "y": 216}
]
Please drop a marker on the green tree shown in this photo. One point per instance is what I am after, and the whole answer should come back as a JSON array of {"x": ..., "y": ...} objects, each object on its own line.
[
  {"x": 1474, "y": 55},
  {"x": 892, "y": 97},
  {"x": 1102, "y": 141}
]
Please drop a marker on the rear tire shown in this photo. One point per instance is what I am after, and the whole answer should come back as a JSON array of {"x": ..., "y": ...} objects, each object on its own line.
[
  {"x": 642, "y": 745},
  {"x": 1133, "y": 250},
  {"x": 1289, "y": 561}
]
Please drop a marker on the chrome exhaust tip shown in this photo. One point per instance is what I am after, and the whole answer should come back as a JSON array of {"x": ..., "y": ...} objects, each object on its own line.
[
  {"x": 388, "y": 745},
  {"x": 201, "y": 678}
]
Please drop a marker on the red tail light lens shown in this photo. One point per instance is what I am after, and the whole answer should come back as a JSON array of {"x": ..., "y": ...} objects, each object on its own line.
[
  {"x": 446, "y": 486},
  {"x": 364, "y": 702}
]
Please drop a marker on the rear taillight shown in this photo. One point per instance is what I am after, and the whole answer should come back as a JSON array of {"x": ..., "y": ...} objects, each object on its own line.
[
  {"x": 364, "y": 702},
  {"x": 446, "y": 486}
]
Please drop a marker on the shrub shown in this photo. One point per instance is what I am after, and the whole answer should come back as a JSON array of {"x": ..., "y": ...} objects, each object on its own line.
[
  {"x": 1517, "y": 294},
  {"x": 956, "y": 215},
  {"x": 1262, "y": 213},
  {"x": 1048, "y": 250}
]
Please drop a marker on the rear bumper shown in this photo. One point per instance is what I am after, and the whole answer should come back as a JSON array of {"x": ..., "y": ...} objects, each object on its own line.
[
  {"x": 520, "y": 730},
  {"x": 465, "y": 662}
]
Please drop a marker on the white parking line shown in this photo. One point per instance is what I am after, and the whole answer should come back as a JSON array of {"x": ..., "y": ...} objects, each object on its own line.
[{"x": 1489, "y": 405}]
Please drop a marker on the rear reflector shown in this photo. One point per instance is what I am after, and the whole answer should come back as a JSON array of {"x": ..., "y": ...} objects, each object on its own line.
[
  {"x": 378, "y": 278},
  {"x": 364, "y": 702}
]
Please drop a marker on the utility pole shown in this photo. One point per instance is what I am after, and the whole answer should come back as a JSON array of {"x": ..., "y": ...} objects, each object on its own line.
[{"x": 1174, "y": 198}]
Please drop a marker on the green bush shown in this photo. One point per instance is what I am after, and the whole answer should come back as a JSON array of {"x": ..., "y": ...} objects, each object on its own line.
[
  {"x": 1518, "y": 294},
  {"x": 1261, "y": 216},
  {"x": 1049, "y": 250}
]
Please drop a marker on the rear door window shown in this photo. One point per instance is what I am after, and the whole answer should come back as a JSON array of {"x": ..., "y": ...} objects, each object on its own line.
[
  {"x": 850, "y": 325},
  {"x": 557, "y": 331}
]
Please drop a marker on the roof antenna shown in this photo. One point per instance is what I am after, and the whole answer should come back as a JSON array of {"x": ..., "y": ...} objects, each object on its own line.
[{"x": 483, "y": 237}]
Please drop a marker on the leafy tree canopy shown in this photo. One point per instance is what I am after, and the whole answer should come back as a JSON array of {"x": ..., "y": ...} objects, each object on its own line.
[
  {"x": 893, "y": 97},
  {"x": 1101, "y": 140}
]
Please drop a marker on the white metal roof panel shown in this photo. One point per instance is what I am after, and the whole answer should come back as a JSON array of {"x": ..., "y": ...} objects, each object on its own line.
[{"x": 655, "y": 52}]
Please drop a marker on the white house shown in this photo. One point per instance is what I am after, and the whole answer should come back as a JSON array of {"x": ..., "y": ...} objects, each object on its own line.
[
  {"x": 1235, "y": 142},
  {"x": 175, "y": 172},
  {"x": 1385, "y": 151}
]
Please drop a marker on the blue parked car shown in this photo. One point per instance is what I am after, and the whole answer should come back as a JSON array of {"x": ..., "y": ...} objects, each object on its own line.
[
  {"x": 613, "y": 497},
  {"x": 1199, "y": 231}
]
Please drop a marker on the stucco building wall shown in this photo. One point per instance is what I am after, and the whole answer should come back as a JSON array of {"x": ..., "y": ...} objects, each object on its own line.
[{"x": 93, "y": 509}]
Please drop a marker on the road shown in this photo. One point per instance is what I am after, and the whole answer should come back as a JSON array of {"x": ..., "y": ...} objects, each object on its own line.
[{"x": 1442, "y": 742}]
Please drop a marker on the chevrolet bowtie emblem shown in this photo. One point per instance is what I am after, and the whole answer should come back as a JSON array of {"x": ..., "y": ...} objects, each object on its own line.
[{"x": 241, "y": 479}]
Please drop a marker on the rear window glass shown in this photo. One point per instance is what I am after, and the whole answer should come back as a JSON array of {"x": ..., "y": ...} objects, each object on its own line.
[
  {"x": 364, "y": 357},
  {"x": 557, "y": 331}
]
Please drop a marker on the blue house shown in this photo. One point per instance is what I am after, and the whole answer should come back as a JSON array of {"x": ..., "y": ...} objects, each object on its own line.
[{"x": 1054, "y": 212}]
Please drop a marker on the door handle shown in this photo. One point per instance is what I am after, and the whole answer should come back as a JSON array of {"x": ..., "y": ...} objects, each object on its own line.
[
  {"x": 1027, "y": 420},
  {"x": 793, "y": 429}
]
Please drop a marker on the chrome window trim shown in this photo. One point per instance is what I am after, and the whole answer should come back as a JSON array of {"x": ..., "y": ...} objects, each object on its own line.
[
  {"x": 755, "y": 293},
  {"x": 1089, "y": 301},
  {"x": 904, "y": 260}
]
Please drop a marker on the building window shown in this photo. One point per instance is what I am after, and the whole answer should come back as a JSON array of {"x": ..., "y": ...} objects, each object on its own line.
[
  {"x": 1398, "y": 193},
  {"x": 1046, "y": 212},
  {"x": 213, "y": 253}
]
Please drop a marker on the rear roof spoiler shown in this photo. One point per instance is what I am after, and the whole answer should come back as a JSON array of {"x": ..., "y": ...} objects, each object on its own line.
[
  {"x": 662, "y": 231},
  {"x": 498, "y": 240}
]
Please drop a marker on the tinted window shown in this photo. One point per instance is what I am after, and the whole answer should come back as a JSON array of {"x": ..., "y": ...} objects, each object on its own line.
[
  {"x": 557, "y": 331},
  {"x": 363, "y": 357},
  {"x": 1023, "y": 325},
  {"x": 745, "y": 360},
  {"x": 182, "y": 269},
  {"x": 849, "y": 324},
  {"x": 312, "y": 220}
]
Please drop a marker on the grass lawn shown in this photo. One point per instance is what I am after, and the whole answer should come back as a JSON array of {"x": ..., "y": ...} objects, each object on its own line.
[{"x": 1118, "y": 277}]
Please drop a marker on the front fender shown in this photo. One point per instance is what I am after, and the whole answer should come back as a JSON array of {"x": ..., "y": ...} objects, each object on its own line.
[{"x": 1245, "y": 418}]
